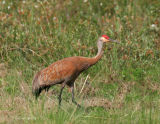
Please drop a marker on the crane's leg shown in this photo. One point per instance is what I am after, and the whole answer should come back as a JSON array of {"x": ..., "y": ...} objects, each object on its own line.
[
  {"x": 59, "y": 97},
  {"x": 73, "y": 100}
]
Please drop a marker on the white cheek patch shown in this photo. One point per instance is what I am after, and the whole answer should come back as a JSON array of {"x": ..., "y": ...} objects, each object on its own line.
[{"x": 103, "y": 39}]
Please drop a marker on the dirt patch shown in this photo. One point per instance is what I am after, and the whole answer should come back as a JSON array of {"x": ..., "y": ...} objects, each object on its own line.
[{"x": 3, "y": 70}]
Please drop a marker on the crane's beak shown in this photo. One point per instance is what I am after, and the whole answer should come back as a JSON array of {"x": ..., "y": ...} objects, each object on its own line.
[{"x": 114, "y": 41}]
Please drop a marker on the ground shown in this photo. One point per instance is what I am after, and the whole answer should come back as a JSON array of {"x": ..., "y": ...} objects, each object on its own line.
[{"x": 123, "y": 87}]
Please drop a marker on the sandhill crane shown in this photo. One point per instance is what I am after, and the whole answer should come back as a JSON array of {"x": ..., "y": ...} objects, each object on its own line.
[{"x": 66, "y": 71}]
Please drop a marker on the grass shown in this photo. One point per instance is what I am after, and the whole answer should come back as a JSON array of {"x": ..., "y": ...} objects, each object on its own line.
[{"x": 124, "y": 87}]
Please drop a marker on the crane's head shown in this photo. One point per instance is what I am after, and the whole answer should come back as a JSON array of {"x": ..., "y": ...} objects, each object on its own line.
[{"x": 106, "y": 39}]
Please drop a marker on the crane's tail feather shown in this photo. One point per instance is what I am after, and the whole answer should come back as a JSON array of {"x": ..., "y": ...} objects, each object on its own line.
[
  {"x": 36, "y": 92},
  {"x": 36, "y": 89}
]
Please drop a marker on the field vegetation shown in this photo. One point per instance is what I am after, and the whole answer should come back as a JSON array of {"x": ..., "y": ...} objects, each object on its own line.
[{"x": 122, "y": 88}]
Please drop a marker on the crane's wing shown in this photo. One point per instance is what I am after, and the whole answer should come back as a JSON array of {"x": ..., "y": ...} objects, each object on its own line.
[{"x": 58, "y": 72}]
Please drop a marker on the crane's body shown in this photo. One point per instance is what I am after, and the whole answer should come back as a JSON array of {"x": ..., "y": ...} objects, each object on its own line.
[{"x": 65, "y": 71}]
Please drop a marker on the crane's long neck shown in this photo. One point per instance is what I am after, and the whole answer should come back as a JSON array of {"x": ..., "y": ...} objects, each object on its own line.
[{"x": 95, "y": 59}]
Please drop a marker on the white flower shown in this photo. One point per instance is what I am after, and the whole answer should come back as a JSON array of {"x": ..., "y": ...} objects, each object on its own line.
[
  {"x": 3, "y": 2},
  {"x": 85, "y": 1},
  {"x": 9, "y": 7},
  {"x": 36, "y": 6},
  {"x": 24, "y": 1},
  {"x": 101, "y": 4},
  {"x": 54, "y": 18},
  {"x": 153, "y": 26},
  {"x": 23, "y": 25}
]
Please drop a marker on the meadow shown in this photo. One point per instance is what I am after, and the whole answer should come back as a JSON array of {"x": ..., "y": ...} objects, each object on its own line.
[{"x": 122, "y": 88}]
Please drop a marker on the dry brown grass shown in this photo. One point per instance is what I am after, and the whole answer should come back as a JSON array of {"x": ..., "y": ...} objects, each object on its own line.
[
  {"x": 12, "y": 108},
  {"x": 3, "y": 70},
  {"x": 97, "y": 102},
  {"x": 153, "y": 86},
  {"x": 116, "y": 103},
  {"x": 25, "y": 88},
  {"x": 122, "y": 92}
]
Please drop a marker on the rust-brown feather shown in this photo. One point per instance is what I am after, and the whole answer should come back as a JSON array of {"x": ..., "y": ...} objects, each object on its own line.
[{"x": 66, "y": 69}]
